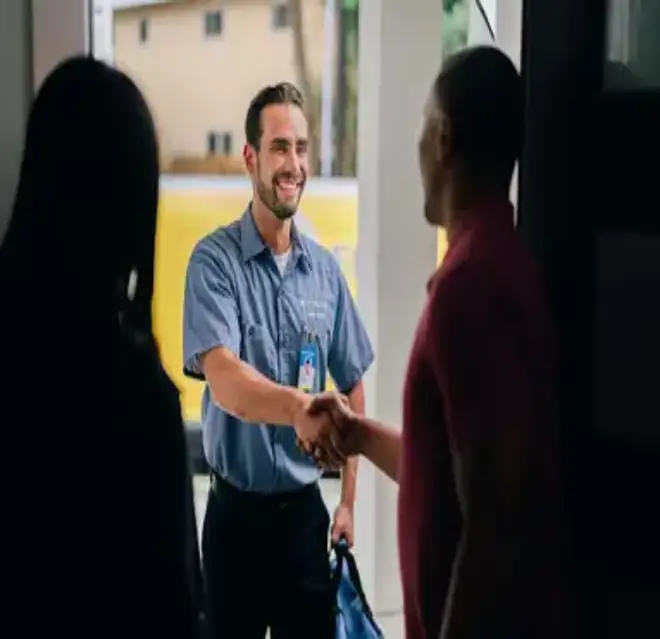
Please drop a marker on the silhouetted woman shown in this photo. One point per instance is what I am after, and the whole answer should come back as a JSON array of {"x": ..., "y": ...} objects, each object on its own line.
[{"x": 97, "y": 508}]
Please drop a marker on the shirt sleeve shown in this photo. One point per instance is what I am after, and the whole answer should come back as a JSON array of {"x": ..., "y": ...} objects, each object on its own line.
[
  {"x": 210, "y": 310},
  {"x": 475, "y": 350},
  {"x": 350, "y": 354}
]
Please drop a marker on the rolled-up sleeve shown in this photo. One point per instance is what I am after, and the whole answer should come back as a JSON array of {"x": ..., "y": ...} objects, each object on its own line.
[
  {"x": 210, "y": 312},
  {"x": 350, "y": 354}
]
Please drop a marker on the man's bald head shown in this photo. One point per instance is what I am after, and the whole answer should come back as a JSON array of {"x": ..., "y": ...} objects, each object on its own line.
[{"x": 474, "y": 125}]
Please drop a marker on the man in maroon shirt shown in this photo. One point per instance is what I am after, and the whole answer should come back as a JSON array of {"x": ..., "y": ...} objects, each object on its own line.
[{"x": 476, "y": 460}]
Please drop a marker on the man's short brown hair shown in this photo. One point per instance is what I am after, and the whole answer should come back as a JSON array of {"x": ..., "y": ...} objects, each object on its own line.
[{"x": 281, "y": 93}]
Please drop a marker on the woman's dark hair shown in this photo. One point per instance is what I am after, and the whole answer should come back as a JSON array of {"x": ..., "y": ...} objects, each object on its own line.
[
  {"x": 86, "y": 204},
  {"x": 88, "y": 396}
]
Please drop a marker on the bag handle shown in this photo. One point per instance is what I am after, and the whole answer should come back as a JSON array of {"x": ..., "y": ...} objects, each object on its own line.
[
  {"x": 339, "y": 567},
  {"x": 343, "y": 554}
]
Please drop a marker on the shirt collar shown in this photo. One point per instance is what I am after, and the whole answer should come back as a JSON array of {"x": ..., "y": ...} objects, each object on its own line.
[{"x": 252, "y": 243}]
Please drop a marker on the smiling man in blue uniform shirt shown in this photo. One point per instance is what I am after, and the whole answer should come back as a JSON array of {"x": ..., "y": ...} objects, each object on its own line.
[{"x": 268, "y": 316}]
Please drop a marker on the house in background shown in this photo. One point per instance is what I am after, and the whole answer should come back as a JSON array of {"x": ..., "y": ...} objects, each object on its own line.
[{"x": 199, "y": 63}]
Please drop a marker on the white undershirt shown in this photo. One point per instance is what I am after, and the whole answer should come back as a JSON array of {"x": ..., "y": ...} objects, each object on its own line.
[{"x": 282, "y": 259}]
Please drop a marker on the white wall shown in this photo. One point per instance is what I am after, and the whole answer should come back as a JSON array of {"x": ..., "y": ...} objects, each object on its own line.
[
  {"x": 15, "y": 89},
  {"x": 508, "y": 28},
  {"x": 60, "y": 28},
  {"x": 34, "y": 37},
  {"x": 397, "y": 250},
  {"x": 103, "y": 31}
]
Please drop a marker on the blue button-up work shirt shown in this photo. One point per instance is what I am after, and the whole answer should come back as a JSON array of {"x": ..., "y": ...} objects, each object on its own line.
[{"x": 236, "y": 298}]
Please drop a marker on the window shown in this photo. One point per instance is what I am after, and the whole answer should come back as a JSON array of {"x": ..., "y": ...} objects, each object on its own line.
[
  {"x": 213, "y": 23},
  {"x": 144, "y": 31},
  {"x": 218, "y": 143},
  {"x": 280, "y": 15},
  {"x": 207, "y": 158}
]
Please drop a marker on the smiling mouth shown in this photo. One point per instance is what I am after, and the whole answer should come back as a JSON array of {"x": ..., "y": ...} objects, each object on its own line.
[{"x": 288, "y": 188}]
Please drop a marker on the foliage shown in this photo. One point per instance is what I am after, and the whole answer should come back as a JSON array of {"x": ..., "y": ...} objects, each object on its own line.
[{"x": 455, "y": 26}]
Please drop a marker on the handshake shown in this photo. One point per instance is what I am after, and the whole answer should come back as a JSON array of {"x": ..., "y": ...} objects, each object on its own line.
[{"x": 328, "y": 430}]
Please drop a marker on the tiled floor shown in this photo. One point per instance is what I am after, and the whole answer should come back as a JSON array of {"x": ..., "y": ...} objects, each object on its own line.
[{"x": 392, "y": 626}]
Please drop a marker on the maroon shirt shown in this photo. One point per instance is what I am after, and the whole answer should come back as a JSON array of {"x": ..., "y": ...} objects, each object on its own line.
[{"x": 483, "y": 358}]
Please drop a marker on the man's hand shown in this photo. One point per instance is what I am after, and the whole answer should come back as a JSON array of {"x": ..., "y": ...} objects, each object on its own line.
[
  {"x": 342, "y": 525},
  {"x": 317, "y": 434},
  {"x": 347, "y": 433}
]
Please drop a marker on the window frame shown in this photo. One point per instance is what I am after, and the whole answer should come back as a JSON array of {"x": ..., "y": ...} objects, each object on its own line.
[
  {"x": 143, "y": 31},
  {"x": 219, "y": 143},
  {"x": 279, "y": 8},
  {"x": 211, "y": 20}
]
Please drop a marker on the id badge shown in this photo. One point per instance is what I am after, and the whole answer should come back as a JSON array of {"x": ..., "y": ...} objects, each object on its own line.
[{"x": 308, "y": 365}]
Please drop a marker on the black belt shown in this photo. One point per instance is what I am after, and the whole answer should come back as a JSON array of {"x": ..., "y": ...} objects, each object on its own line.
[{"x": 223, "y": 489}]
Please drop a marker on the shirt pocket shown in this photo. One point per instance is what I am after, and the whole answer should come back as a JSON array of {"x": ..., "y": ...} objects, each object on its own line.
[
  {"x": 318, "y": 319},
  {"x": 258, "y": 349}
]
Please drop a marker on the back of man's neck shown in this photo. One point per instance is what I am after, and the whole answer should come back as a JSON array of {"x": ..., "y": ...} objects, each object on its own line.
[{"x": 467, "y": 208}]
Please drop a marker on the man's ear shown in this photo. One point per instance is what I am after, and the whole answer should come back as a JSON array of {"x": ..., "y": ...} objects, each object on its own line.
[
  {"x": 446, "y": 142},
  {"x": 249, "y": 157},
  {"x": 442, "y": 156}
]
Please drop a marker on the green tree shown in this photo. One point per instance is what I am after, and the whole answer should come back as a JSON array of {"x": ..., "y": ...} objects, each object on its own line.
[
  {"x": 347, "y": 89},
  {"x": 305, "y": 80},
  {"x": 455, "y": 26}
]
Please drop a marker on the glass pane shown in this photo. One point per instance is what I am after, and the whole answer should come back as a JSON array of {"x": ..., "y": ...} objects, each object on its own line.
[
  {"x": 199, "y": 88},
  {"x": 481, "y": 22},
  {"x": 632, "y": 49}
]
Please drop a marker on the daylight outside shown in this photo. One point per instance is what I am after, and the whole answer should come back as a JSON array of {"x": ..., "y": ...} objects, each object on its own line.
[{"x": 199, "y": 63}]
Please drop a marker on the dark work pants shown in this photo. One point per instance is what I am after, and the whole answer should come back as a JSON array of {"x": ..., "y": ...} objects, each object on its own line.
[{"x": 266, "y": 564}]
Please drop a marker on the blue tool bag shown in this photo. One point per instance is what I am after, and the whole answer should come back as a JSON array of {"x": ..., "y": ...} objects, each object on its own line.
[{"x": 354, "y": 619}]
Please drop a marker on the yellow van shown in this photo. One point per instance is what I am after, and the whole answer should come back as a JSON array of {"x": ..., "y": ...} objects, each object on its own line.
[{"x": 191, "y": 207}]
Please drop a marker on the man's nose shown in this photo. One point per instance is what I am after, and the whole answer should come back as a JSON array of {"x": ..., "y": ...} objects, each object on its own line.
[{"x": 292, "y": 162}]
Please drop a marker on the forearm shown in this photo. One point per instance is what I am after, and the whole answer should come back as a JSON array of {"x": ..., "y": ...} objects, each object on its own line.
[
  {"x": 349, "y": 481},
  {"x": 381, "y": 445},
  {"x": 349, "y": 471},
  {"x": 245, "y": 393}
]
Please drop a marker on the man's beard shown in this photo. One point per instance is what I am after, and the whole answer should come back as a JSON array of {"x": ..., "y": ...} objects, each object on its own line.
[
  {"x": 428, "y": 211},
  {"x": 434, "y": 209},
  {"x": 268, "y": 195},
  {"x": 432, "y": 214}
]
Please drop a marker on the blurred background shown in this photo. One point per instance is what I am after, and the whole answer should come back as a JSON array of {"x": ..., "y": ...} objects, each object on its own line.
[{"x": 199, "y": 63}]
